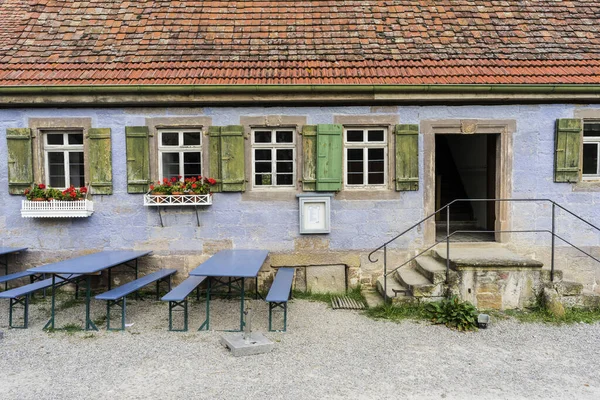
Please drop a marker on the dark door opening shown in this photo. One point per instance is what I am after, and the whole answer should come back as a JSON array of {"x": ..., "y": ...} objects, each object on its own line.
[{"x": 465, "y": 168}]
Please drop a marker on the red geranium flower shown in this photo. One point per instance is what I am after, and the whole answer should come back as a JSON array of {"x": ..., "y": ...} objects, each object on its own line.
[
  {"x": 173, "y": 179},
  {"x": 83, "y": 190},
  {"x": 211, "y": 181},
  {"x": 151, "y": 187},
  {"x": 42, "y": 186}
]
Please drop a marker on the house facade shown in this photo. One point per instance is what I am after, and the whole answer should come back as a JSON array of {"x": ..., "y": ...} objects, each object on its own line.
[{"x": 384, "y": 111}]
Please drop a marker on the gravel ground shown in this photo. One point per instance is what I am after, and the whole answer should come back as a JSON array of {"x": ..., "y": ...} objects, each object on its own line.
[{"x": 325, "y": 354}]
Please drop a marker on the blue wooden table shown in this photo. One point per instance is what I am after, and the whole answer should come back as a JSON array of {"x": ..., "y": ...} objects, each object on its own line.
[
  {"x": 237, "y": 266},
  {"x": 5, "y": 251},
  {"x": 88, "y": 265}
]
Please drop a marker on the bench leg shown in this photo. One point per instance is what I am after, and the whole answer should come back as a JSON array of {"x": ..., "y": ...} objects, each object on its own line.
[
  {"x": 123, "y": 305},
  {"x": 25, "y": 303},
  {"x": 173, "y": 305},
  {"x": 272, "y": 306}
]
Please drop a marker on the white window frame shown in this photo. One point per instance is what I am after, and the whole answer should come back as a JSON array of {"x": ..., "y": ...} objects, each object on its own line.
[
  {"x": 274, "y": 146},
  {"x": 365, "y": 145},
  {"x": 66, "y": 148},
  {"x": 181, "y": 149},
  {"x": 592, "y": 140}
]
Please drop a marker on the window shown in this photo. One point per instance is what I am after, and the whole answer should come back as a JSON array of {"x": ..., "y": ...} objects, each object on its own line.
[
  {"x": 365, "y": 157},
  {"x": 591, "y": 149},
  {"x": 273, "y": 155},
  {"x": 180, "y": 153},
  {"x": 63, "y": 155}
]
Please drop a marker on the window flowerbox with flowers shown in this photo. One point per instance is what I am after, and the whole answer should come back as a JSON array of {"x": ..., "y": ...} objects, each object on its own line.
[
  {"x": 194, "y": 191},
  {"x": 44, "y": 202}
]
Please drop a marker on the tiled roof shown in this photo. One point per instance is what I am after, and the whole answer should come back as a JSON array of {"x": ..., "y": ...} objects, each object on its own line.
[{"x": 48, "y": 42}]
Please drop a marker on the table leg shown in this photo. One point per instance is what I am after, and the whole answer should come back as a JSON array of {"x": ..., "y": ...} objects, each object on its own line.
[
  {"x": 50, "y": 323},
  {"x": 205, "y": 325},
  {"x": 6, "y": 270},
  {"x": 242, "y": 305},
  {"x": 89, "y": 324},
  {"x": 137, "y": 295},
  {"x": 109, "y": 278}
]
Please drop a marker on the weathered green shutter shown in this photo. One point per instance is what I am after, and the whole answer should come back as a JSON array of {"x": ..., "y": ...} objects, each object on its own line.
[
  {"x": 226, "y": 148},
  {"x": 20, "y": 159},
  {"x": 138, "y": 167},
  {"x": 567, "y": 156},
  {"x": 407, "y": 157},
  {"x": 309, "y": 147},
  {"x": 232, "y": 158},
  {"x": 329, "y": 157},
  {"x": 100, "y": 160},
  {"x": 214, "y": 150}
]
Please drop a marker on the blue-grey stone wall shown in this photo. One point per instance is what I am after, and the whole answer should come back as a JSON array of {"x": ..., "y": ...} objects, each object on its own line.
[{"x": 121, "y": 221}]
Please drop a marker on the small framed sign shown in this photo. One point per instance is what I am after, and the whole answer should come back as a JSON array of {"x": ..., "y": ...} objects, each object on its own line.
[{"x": 315, "y": 214}]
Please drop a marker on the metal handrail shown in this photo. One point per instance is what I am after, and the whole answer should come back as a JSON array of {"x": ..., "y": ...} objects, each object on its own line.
[{"x": 449, "y": 235}]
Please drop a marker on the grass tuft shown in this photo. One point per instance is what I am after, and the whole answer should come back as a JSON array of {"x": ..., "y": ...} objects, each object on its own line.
[
  {"x": 397, "y": 313},
  {"x": 541, "y": 315}
]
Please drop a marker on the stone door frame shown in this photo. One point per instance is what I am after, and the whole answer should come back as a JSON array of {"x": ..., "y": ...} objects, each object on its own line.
[{"x": 504, "y": 162}]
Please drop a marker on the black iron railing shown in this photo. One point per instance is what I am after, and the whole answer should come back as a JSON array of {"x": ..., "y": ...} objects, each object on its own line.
[{"x": 449, "y": 235}]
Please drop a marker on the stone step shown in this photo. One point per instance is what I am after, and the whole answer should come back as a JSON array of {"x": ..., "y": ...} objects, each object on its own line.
[
  {"x": 395, "y": 297},
  {"x": 418, "y": 284},
  {"x": 484, "y": 257},
  {"x": 568, "y": 288},
  {"x": 434, "y": 270},
  {"x": 590, "y": 299}
]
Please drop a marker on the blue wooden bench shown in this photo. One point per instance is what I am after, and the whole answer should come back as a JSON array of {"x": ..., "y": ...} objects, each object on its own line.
[
  {"x": 21, "y": 295},
  {"x": 280, "y": 293},
  {"x": 16, "y": 275},
  {"x": 117, "y": 296},
  {"x": 177, "y": 298}
]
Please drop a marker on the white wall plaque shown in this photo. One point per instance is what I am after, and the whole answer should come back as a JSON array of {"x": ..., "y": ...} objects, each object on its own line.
[{"x": 315, "y": 214}]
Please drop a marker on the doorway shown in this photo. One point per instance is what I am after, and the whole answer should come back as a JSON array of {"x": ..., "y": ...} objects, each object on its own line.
[{"x": 465, "y": 168}]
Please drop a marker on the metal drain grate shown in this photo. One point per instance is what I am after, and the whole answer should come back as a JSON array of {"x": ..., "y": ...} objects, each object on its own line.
[{"x": 346, "y": 303}]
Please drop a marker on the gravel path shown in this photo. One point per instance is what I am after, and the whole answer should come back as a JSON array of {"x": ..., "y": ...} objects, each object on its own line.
[{"x": 325, "y": 354}]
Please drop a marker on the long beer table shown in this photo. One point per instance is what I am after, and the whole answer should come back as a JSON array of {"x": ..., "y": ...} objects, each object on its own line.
[
  {"x": 88, "y": 265},
  {"x": 236, "y": 264}
]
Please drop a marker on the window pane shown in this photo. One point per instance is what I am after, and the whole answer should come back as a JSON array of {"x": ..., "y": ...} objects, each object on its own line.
[
  {"x": 76, "y": 174},
  {"x": 376, "y": 136},
  {"x": 75, "y": 138},
  {"x": 376, "y": 178},
  {"x": 262, "y": 179},
  {"x": 354, "y": 135},
  {"x": 191, "y": 138},
  {"x": 55, "y": 138},
  {"x": 285, "y": 167},
  {"x": 56, "y": 167},
  {"x": 285, "y": 154},
  {"x": 262, "y": 136},
  {"x": 262, "y": 154},
  {"x": 591, "y": 129},
  {"x": 284, "y": 179},
  {"x": 170, "y": 165},
  {"x": 590, "y": 158},
  {"x": 191, "y": 164},
  {"x": 170, "y": 139},
  {"x": 375, "y": 155},
  {"x": 355, "y": 166},
  {"x": 262, "y": 167},
  {"x": 284, "y": 137}
]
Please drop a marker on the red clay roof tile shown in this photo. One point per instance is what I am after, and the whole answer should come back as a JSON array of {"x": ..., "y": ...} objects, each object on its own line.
[{"x": 269, "y": 42}]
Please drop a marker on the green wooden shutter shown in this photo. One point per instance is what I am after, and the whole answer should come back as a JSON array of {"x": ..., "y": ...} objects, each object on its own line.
[
  {"x": 100, "y": 156},
  {"x": 407, "y": 157},
  {"x": 329, "y": 157},
  {"x": 20, "y": 159},
  {"x": 232, "y": 158},
  {"x": 138, "y": 166},
  {"x": 309, "y": 148},
  {"x": 567, "y": 156},
  {"x": 214, "y": 150}
]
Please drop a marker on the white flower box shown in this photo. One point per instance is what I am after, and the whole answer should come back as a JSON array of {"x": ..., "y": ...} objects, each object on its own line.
[
  {"x": 57, "y": 209},
  {"x": 177, "y": 200}
]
